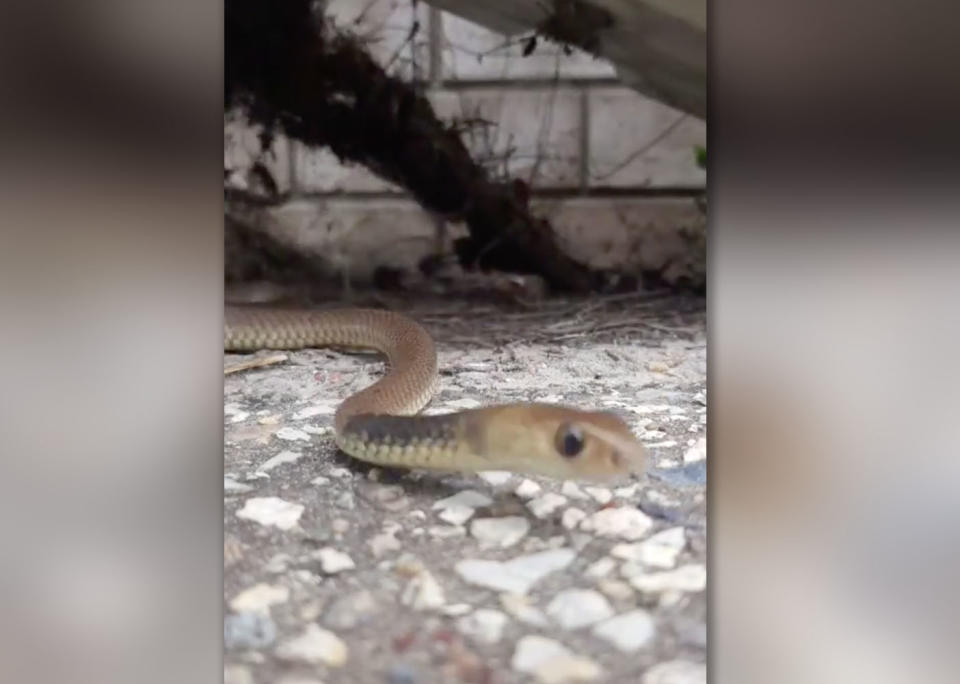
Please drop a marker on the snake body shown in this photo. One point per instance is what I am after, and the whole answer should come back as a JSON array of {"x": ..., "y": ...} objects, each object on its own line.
[{"x": 380, "y": 425}]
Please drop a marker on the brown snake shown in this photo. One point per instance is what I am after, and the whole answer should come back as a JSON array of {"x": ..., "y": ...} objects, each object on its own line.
[{"x": 379, "y": 423}]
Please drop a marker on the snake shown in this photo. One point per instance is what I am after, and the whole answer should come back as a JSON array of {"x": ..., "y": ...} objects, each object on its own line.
[{"x": 382, "y": 424}]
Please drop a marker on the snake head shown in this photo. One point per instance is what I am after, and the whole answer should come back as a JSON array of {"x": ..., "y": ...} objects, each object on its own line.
[{"x": 561, "y": 442}]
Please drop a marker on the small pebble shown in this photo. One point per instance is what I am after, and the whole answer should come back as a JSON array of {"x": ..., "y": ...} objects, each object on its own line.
[
  {"x": 237, "y": 674},
  {"x": 521, "y": 607},
  {"x": 259, "y": 598},
  {"x": 516, "y": 575},
  {"x": 576, "y": 608},
  {"x": 231, "y": 486},
  {"x": 320, "y": 481},
  {"x": 499, "y": 532},
  {"x": 628, "y": 632},
  {"x": 271, "y": 510},
  {"x": 423, "y": 592},
  {"x": 697, "y": 452},
  {"x": 341, "y": 473},
  {"x": 351, "y": 610},
  {"x": 310, "y": 412},
  {"x": 544, "y": 505},
  {"x": 600, "y": 569},
  {"x": 333, "y": 561},
  {"x": 599, "y": 494},
  {"x": 483, "y": 625},
  {"x": 685, "y": 578},
  {"x": 527, "y": 489},
  {"x": 496, "y": 477},
  {"x": 280, "y": 459},
  {"x": 623, "y": 522},
  {"x": 248, "y": 630},
  {"x": 468, "y": 498},
  {"x": 676, "y": 672},
  {"x": 550, "y": 662},
  {"x": 572, "y": 517},
  {"x": 446, "y": 531},
  {"x": 456, "y": 515},
  {"x": 315, "y": 645},
  {"x": 340, "y": 525},
  {"x": 384, "y": 543},
  {"x": 401, "y": 674},
  {"x": 615, "y": 589},
  {"x": 571, "y": 490},
  {"x": 291, "y": 434}
]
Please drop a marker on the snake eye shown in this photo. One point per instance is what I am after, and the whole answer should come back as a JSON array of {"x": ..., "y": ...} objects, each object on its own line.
[{"x": 569, "y": 440}]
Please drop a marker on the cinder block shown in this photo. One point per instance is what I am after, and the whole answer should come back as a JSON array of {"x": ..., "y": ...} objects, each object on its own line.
[
  {"x": 529, "y": 134},
  {"x": 241, "y": 150},
  {"x": 664, "y": 235},
  {"x": 472, "y": 52},
  {"x": 395, "y": 31},
  {"x": 319, "y": 170},
  {"x": 354, "y": 237},
  {"x": 638, "y": 142}
]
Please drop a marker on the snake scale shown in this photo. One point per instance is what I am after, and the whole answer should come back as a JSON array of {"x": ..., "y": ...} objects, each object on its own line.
[{"x": 380, "y": 425}]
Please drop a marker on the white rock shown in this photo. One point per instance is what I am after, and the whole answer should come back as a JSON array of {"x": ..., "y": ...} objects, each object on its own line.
[
  {"x": 447, "y": 531},
  {"x": 527, "y": 489},
  {"x": 467, "y": 498},
  {"x": 572, "y": 517},
  {"x": 314, "y": 645},
  {"x": 520, "y": 607},
  {"x": 516, "y": 575},
  {"x": 278, "y": 563},
  {"x": 500, "y": 532},
  {"x": 626, "y": 492},
  {"x": 318, "y": 429},
  {"x": 464, "y": 403},
  {"x": 333, "y": 561},
  {"x": 483, "y": 625},
  {"x": 310, "y": 412},
  {"x": 685, "y": 578},
  {"x": 576, "y": 608},
  {"x": 568, "y": 669},
  {"x": 270, "y": 510},
  {"x": 237, "y": 674},
  {"x": 239, "y": 417},
  {"x": 601, "y": 495},
  {"x": 456, "y": 609},
  {"x": 661, "y": 550},
  {"x": 384, "y": 542},
  {"x": 629, "y": 631},
  {"x": 571, "y": 490},
  {"x": 232, "y": 486},
  {"x": 697, "y": 452},
  {"x": 600, "y": 569},
  {"x": 495, "y": 477},
  {"x": 676, "y": 672},
  {"x": 550, "y": 662},
  {"x": 280, "y": 459},
  {"x": 544, "y": 505},
  {"x": 320, "y": 481},
  {"x": 456, "y": 515},
  {"x": 623, "y": 522},
  {"x": 533, "y": 650},
  {"x": 423, "y": 592},
  {"x": 291, "y": 434},
  {"x": 259, "y": 598},
  {"x": 341, "y": 473},
  {"x": 615, "y": 589}
]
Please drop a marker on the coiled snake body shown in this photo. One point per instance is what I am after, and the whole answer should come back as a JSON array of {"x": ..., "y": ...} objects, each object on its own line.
[{"x": 379, "y": 423}]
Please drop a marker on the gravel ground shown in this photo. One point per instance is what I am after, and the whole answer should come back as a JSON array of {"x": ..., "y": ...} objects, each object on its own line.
[{"x": 338, "y": 572}]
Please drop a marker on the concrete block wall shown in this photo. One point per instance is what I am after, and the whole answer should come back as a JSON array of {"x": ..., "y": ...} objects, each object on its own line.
[{"x": 610, "y": 165}]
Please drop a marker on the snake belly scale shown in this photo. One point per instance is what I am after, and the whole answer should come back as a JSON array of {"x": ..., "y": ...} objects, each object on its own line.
[{"x": 380, "y": 423}]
